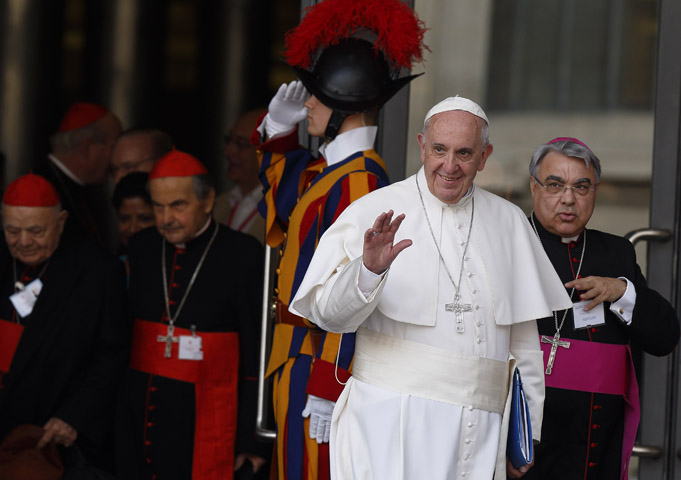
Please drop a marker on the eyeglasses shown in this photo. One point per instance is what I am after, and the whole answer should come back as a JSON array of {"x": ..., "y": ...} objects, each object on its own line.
[{"x": 556, "y": 188}]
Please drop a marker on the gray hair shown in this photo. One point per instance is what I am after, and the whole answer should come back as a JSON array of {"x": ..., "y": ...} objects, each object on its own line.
[
  {"x": 569, "y": 149},
  {"x": 203, "y": 184},
  {"x": 68, "y": 142},
  {"x": 484, "y": 131}
]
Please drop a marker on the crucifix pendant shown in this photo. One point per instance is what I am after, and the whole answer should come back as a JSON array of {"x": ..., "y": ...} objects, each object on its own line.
[
  {"x": 555, "y": 343},
  {"x": 458, "y": 308},
  {"x": 169, "y": 339}
]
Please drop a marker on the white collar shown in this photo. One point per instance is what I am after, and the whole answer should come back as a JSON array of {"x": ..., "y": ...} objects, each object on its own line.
[
  {"x": 347, "y": 143},
  {"x": 64, "y": 169}
]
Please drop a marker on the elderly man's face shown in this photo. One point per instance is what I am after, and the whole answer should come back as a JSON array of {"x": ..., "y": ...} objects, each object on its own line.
[
  {"x": 131, "y": 154},
  {"x": 565, "y": 214},
  {"x": 32, "y": 233},
  {"x": 242, "y": 157},
  {"x": 452, "y": 154},
  {"x": 180, "y": 215}
]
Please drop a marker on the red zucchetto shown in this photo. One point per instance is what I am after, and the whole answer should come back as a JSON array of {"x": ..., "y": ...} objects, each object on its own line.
[
  {"x": 80, "y": 115},
  {"x": 30, "y": 191},
  {"x": 177, "y": 164}
]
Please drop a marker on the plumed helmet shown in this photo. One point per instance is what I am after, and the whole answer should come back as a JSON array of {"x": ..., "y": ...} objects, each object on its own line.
[
  {"x": 331, "y": 55},
  {"x": 351, "y": 77}
]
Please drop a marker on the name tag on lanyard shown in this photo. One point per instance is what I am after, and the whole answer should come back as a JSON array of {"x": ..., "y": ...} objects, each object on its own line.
[
  {"x": 25, "y": 299},
  {"x": 588, "y": 319},
  {"x": 190, "y": 348}
]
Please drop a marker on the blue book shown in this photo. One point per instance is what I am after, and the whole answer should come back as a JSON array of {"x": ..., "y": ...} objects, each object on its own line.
[{"x": 519, "y": 446}]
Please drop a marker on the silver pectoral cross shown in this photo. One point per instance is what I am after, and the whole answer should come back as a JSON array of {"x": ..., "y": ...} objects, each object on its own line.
[
  {"x": 169, "y": 339},
  {"x": 458, "y": 308},
  {"x": 555, "y": 343}
]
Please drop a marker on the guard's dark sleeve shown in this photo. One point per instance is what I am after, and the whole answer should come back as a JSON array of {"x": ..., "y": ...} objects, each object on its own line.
[
  {"x": 654, "y": 326},
  {"x": 249, "y": 312}
]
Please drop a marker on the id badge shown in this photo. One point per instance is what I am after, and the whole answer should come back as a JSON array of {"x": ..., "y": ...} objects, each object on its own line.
[
  {"x": 190, "y": 348},
  {"x": 25, "y": 299},
  {"x": 591, "y": 318}
]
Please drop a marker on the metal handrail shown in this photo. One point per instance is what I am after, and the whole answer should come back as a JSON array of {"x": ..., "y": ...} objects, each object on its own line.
[
  {"x": 646, "y": 451},
  {"x": 261, "y": 430},
  {"x": 636, "y": 236}
]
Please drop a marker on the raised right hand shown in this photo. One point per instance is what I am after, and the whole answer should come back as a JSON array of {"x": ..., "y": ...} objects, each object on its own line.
[
  {"x": 379, "y": 251},
  {"x": 287, "y": 108}
]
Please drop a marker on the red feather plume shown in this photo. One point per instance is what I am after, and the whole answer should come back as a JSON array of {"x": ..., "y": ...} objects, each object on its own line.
[{"x": 399, "y": 30}]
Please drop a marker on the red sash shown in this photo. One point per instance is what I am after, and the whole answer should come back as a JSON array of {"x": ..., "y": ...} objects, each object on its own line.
[
  {"x": 599, "y": 368},
  {"x": 215, "y": 381},
  {"x": 10, "y": 334}
]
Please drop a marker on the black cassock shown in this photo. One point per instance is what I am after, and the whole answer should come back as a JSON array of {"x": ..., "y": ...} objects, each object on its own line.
[
  {"x": 582, "y": 432},
  {"x": 88, "y": 206},
  {"x": 156, "y": 433},
  {"x": 74, "y": 347}
]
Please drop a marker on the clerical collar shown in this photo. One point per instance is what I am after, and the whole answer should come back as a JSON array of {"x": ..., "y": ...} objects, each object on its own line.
[
  {"x": 347, "y": 143},
  {"x": 198, "y": 234},
  {"x": 57, "y": 163}
]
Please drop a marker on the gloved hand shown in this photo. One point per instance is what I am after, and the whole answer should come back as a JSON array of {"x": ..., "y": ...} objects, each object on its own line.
[
  {"x": 286, "y": 109},
  {"x": 319, "y": 410}
]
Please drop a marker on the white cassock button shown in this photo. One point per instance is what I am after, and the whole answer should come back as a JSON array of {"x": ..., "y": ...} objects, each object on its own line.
[
  {"x": 470, "y": 408},
  {"x": 469, "y": 274},
  {"x": 470, "y": 424},
  {"x": 477, "y": 340},
  {"x": 466, "y": 456},
  {"x": 464, "y": 474},
  {"x": 462, "y": 243},
  {"x": 474, "y": 291},
  {"x": 467, "y": 441},
  {"x": 477, "y": 307}
]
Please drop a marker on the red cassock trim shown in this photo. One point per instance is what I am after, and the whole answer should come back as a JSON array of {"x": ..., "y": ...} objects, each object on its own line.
[
  {"x": 10, "y": 334},
  {"x": 215, "y": 379}
]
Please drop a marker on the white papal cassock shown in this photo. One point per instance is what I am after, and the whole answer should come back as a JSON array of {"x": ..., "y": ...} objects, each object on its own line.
[{"x": 426, "y": 401}]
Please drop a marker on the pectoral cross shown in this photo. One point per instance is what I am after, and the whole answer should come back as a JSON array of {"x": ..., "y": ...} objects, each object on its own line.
[
  {"x": 555, "y": 343},
  {"x": 169, "y": 339},
  {"x": 458, "y": 308}
]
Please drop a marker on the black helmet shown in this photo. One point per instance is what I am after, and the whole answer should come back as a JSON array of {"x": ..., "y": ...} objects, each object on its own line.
[{"x": 351, "y": 77}]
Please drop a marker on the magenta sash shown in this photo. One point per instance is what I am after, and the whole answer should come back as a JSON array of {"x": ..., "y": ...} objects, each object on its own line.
[{"x": 599, "y": 368}]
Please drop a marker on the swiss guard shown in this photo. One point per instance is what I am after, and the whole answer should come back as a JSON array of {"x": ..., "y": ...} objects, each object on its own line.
[{"x": 349, "y": 57}]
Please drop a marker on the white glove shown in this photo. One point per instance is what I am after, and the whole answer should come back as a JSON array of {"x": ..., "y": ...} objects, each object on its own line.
[
  {"x": 319, "y": 410},
  {"x": 287, "y": 108}
]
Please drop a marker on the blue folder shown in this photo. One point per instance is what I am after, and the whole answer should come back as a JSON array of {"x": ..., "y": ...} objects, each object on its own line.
[{"x": 519, "y": 446}]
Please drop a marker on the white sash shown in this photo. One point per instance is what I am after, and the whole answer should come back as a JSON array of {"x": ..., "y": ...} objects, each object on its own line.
[{"x": 428, "y": 372}]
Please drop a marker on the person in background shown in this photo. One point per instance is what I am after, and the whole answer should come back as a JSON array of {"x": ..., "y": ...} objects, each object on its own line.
[
  {"x": 133, "y": 205},
  {"x": 64, "y": 330},
  {"x": 195, "y": 297},
  {"x": 78, "y": 166},
  {"x": 238, "y": 207},
  {"x": 591, "y": 410},
  {"x": 137, "y": 150}
]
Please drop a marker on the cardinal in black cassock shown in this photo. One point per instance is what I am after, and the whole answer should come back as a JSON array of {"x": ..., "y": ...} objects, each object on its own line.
[
  {"x": 195, "y": 295},
  {"x": 64, "y": 333}
]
